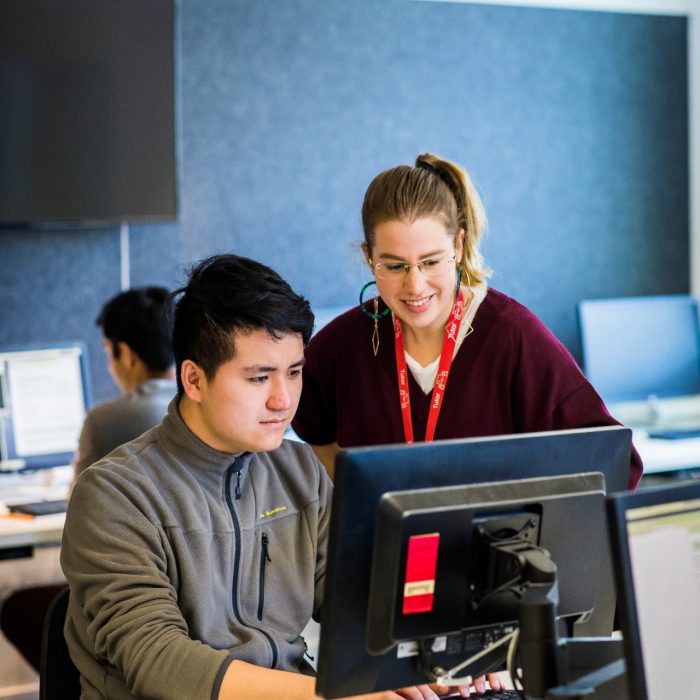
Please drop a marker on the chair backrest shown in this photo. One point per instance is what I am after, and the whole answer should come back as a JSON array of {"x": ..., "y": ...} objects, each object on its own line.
[{"x": 59, "y": 678}]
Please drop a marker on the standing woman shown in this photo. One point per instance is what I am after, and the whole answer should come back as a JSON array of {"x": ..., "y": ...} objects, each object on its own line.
[{"x": 436, "y": 354}]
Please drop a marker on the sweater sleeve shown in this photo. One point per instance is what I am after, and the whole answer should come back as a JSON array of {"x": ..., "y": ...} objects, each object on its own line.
[
  {"x": 551, "y": 391},
  {"x": 123, "y": 614}
]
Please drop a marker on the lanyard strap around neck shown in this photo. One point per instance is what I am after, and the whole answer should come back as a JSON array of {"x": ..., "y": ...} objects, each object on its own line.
[{"x": 448, "y": 346}]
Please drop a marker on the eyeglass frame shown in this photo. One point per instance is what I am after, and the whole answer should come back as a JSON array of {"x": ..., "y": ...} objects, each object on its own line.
[{"x": 407, "y": 267}]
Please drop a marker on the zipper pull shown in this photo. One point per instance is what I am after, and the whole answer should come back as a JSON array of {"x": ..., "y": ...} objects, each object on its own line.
[
  {"x": 265, "y": 542},
  {"x": 306, "y": 651},
  {"x": 238, "y": 485}
]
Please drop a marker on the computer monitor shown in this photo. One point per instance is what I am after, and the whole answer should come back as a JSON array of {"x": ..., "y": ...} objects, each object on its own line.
[
  {"x": 44, "y": 394},
  {"x": 656, "y": 542},
  {"x": 640, "y": 347},
  {"x": 364, "y": 475}
]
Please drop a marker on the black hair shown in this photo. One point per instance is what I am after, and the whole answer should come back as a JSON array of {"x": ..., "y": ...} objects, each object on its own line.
[
  {"x": 141, "y": 318},
  {"x": 227, "y": 294}
]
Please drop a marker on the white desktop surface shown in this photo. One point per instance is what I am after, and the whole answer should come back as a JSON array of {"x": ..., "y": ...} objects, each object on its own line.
[
  {"x": 660, "y": 455},
  {"x": 21, "y": 532}
]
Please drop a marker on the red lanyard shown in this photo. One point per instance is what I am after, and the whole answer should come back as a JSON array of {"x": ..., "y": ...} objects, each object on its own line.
[{"x": 451, "y": 332}]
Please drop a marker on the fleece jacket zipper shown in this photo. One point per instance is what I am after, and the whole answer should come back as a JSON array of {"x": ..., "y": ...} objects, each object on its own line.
[{"x": 236, "y": 467}]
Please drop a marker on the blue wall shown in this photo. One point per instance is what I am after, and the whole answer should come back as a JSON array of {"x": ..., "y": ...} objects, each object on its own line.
[{"x": 573, "y": 124}]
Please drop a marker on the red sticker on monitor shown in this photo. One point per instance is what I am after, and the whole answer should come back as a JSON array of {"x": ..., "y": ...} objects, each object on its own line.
[{"x": 421, "y": 564}]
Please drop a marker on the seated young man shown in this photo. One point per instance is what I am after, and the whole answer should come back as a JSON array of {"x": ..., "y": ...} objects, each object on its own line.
[{"x": 196, "y": 553}]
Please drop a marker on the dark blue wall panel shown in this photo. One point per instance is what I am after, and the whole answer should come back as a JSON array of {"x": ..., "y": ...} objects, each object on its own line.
[{"x": 573, "y": 124}]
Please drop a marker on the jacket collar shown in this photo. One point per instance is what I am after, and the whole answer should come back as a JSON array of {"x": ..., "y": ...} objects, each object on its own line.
[{"x": 196, "y": 452}]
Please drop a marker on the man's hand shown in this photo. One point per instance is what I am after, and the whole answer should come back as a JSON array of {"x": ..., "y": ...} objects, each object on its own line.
[
  {"x": 244, "y": 681},
  {"x": 433, "y": 691}
]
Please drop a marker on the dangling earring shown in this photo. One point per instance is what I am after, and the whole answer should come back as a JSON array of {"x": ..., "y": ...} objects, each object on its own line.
[
  {"x": 459, "y": 281},
  {"x": 376, "y": 316}
]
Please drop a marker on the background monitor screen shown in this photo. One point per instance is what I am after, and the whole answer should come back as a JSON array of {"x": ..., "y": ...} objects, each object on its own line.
[
  {"x": 364, "y": 475},
  {"x": 87, "y": 119},
  {"x": 44, "y": 395},
  {"x": 656, "y": 537},
  {"x": 638, "y": 347}
]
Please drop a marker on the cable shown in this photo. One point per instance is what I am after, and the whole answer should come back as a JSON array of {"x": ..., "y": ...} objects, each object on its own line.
[
  {"x": 448, "y": 677},
  {"x": 515, "y": 677}
]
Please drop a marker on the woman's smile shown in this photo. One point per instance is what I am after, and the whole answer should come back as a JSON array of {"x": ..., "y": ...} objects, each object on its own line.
[{"x": 418, "y": 305}]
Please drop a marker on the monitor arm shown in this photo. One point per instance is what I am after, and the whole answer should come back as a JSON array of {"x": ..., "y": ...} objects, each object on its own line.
[
  {"x": 537, "y": 607},
  {"x": 554, "y": 667},
  {"x": 561, "y": 668},
  {"x": 565, "y": 668}
]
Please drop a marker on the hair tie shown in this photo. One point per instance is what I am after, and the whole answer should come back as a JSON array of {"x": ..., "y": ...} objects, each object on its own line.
[{"x": 446, "y": 179}]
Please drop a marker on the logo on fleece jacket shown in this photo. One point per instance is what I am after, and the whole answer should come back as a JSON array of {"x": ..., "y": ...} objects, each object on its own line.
[{"x": 274, "y": 511}]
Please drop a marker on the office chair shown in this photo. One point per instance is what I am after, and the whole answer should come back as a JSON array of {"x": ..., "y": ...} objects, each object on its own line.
[{"x": 59, "y": 678}]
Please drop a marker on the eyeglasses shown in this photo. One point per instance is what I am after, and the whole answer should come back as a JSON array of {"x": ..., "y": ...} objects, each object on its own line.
[{"x": 430, "y": 267}]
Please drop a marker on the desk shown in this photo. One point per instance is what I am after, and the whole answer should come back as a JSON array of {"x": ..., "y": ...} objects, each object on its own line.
[
  {"x": 49, "y": 484},
  {"x": 29, "y": 532},
  {"x": 661, "y": 456}
]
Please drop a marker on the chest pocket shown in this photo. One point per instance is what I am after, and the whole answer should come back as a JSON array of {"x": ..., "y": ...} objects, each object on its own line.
[{"x": 283, "y": 563}]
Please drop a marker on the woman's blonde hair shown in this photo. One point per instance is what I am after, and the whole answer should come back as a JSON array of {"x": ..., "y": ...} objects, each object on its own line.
[{"x": 436, "y": 188}]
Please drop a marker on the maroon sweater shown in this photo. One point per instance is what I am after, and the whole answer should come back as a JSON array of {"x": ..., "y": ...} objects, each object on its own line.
[{"x": 511, "y": 375}]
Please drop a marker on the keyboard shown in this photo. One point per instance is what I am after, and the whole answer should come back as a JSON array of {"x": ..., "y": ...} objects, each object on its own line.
[
  {"x": 673, "y": 433},
  {"x": 488, "y": 694},
  {"x": 39, "y": 507}
]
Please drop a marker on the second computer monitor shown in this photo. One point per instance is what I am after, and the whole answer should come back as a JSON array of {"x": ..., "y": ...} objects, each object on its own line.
[
  {"x": 656, "y": 539},
  {"x": 635, "y": 348}
]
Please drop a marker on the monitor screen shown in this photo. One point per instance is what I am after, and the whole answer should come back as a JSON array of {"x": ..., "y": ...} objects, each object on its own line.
[
  {"x": 44, "y": 395},
  {"x": 641, "y": 347},
  {"x": 87, "y": 118},
  {"x": 656, "y": 537},
  {"x": 364, "y": 475}
]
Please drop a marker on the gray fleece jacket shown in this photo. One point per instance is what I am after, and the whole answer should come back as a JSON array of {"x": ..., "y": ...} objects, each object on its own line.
[{"x": 181, "y": 559}]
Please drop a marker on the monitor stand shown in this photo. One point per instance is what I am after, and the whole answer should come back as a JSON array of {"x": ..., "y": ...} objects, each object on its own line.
[{"x": 556, "y": 668}]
